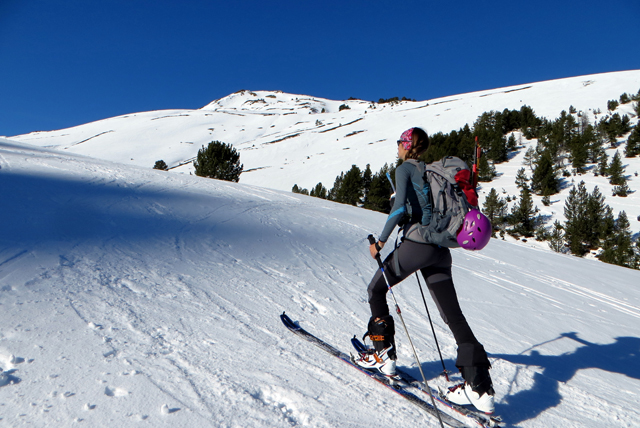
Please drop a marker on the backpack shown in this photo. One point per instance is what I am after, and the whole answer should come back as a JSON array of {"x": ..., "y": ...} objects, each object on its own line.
[{"x": 452, "y": 196}]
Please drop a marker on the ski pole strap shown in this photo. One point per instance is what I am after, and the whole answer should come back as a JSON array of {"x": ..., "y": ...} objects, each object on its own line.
[{"x": 372, "y": 241}]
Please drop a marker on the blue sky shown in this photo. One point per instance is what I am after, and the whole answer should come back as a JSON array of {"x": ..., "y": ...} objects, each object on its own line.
[{"x": 68, "y": 62}]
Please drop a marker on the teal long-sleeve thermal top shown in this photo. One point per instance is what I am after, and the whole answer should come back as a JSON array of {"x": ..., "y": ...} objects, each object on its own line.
[{"x": 412, "y": 199}]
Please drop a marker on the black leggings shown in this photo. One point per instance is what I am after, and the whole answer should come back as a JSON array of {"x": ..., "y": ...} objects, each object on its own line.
[{"x": 435, "y": 265}]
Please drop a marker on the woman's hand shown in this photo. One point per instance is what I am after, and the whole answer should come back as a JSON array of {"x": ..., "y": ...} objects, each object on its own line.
[{"x": 373, "y": 250}]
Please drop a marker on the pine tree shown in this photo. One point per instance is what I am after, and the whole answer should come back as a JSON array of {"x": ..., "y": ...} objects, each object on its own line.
[
  {"x": 579, "y": 151},
  {"x": 635, "y": 264},
  {"x": 377, "y": 198},
  {"x": 595, "y": 214},
  {"x": 575, "y": 213},
  {"x": 486, "y": 170},
  {"x": 522, "y": 214},
  {"x": 498, "y": 149},
  {"x": 544, "y": 181},
  {"x": 337, "y": 184},
  {"x": 218, "y": 160},
  {"x": 633, "y": 143},
  {"x": 616, "y": 171},
  {"x": 161, "y": 165},
  {"x": 489, "y": 129},
  {"x": 592, "y": 141},
  {"x": 615, "y": 127},
  {"x": 596, "y": 152},
  {"x": 522, "y": 180},
  {"x": 621, "y": 190},
  {"x": 493, "y": 208},
  {"x": 319, "y": 191},
  {"x": 530, "y": 157},
  {"x": 367, "y": 176},
  {"x": 300, "y": 190},
  {"x": 351, "y": 188},
  {"x": 529, "y": 122},
  {"x": 603, "y": 163},
  {"x": 618, "y": 247},
  {"x": 556, "y": 238},
  {"x": 589, "y": 219}
]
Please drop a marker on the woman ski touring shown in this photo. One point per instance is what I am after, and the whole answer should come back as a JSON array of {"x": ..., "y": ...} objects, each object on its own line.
[{"x": 413, "y": 205}]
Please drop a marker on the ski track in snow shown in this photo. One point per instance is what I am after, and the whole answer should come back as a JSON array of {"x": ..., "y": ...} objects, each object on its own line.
[{"x": 556, "y": 283}]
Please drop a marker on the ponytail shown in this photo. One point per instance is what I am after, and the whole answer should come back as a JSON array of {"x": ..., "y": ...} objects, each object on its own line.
[{"x": 419, "y": 144}]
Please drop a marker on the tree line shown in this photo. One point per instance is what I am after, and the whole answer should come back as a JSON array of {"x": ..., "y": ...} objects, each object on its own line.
[
  {"x": 358, "y": 188},
  {"x": 567, "y": 146}
]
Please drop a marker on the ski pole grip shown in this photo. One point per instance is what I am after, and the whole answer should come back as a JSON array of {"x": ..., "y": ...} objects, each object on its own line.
[{"x": 372, "y": 241}]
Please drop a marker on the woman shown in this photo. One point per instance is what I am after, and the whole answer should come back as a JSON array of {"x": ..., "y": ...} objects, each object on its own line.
[{"x": 412, "y": 205}]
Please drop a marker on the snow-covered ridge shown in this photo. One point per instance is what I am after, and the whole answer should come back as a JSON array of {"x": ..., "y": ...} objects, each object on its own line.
[
  {"x": 277, "y": 102},
  {"x": 286, "y": 139}
]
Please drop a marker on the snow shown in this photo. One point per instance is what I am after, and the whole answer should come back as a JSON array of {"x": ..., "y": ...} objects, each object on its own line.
[
  {"x": 136, "y": 297},
  {"x": 286, "y": 139}
]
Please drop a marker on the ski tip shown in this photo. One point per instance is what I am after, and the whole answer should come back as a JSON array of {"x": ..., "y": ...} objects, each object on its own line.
[{"x": 289, "y": 323}]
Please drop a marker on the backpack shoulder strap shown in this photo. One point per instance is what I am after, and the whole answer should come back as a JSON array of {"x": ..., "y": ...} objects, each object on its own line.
[{"x": 417, "y": 163}]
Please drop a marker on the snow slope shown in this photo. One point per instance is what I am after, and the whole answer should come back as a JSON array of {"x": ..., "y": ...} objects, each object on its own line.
[
  {"x": 287, "y": 139},
  {"x": 135, "y": 297}
]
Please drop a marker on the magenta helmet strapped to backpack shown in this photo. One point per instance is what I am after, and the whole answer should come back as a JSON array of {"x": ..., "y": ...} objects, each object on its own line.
[{"x": 475, "y": 232}]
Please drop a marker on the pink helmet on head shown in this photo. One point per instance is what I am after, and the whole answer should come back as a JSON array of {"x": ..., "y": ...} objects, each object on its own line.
[
  {"x": 475, "y": 232},
  {"x": 406, "y": 139}
]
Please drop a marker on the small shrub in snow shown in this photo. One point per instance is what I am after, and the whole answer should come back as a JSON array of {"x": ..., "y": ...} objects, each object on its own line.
[
  {"x": 622, "y": 190},
  {"x": 161, "y": 165},
  {"x": 297, "y": 189}
]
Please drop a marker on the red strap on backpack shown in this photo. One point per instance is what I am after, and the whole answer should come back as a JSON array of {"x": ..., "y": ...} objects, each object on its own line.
[{"x": 462, "y": 178}]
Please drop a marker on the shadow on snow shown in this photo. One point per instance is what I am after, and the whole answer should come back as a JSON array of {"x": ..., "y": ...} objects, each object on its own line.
[
  {"x": 622, "y": 356},
  {"x": 39, "y": 210}
]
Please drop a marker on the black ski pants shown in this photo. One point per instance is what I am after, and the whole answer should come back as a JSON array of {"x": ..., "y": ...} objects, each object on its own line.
[{"x": 434, "y": 263}]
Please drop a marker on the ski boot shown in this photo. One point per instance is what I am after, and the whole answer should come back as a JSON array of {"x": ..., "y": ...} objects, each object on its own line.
[
  {"x": 383, "y": 355},
  {"x": 477, "y": 390}
]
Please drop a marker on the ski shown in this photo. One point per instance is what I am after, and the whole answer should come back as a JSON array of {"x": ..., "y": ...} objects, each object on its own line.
[
  {"x": 395, "y": 384},
  {"x": 480, "y": 419}
]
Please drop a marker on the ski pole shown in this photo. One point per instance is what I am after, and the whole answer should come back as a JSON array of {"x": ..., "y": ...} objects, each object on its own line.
[
  {"x": 444, "y": 370},
  {"x": 476, "y": 158},
  {"x": 392, "y": 188},
  {"x": 391, "y": 181},
  {"x": 372, "y": 241}
]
